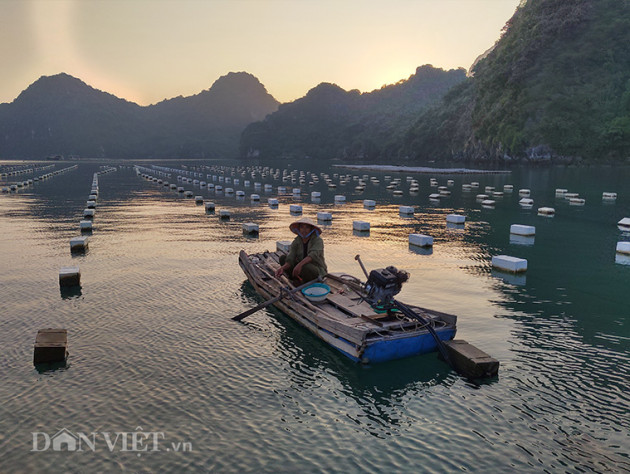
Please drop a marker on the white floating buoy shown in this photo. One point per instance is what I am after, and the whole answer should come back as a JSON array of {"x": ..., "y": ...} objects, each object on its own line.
[
  {"x": 180, "y": 189},
  {"x": 90, "y": 204},
  {"x": 361, "y": 226},
  {"x": 69, "y": 276},
  {"x": 466, "y": 187},
  {"x": 88, "y": 213},
  {"x": 250, "y": 228},
  {"x": 519, "y": 229},
  {"x": 85, "y": 226},
  {"x": 209, "y": 206},
  {"x": 526, "y": 202},
  {"x": 509, "y": 264},
  {"x": 229, "y": 191},
  {"x": 623, "y": 247},
  {"x": 455, "y": 219},
  {"x": 78, "y": 244},
  {"x": 577, "y": 201},
  {"x": 315, "y": 194},
  {"x": 199, "y": 199},
  {"x": 188, "y": 194},
  {"x": 508, "y": 188},
  {"x": 488, "y": 203},
  {"x": 546, "y": 211},
  {"x": 297, "y": 191},
  {"x": 282, "y": 189},
  {"x": 340, "y": 198},
  {"x": 481, "y": 197},
  {"x": 283, "y": 245},
  {"x": 406, "y": 210},
  {"x": 295, "y": 209},
  {"x": 224, "y": 214},
  {"x": 240, "y": 194},
  {"x": 489, "y": 189},
  {"x": 609, "y": 196},
  {"x": 421, "y": 240},
  {"x": 368, "y": 203},
  {"x": 624, "y": 224},
  {"x": 434, "y": 197},
  {"x": 324, "y": 216},
  {"x": 273, "y": 202},
  {"x": 173, "y": 187},
  {"x": 497, "y": 194},
  {"x": 524, "y": 192},
  {"x": 561, "y": 192},
  {"x": 254, "y": 197}
]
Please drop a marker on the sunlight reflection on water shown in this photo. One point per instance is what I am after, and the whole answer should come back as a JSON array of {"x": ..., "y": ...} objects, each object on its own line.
[{"x": 152, "y": 343}]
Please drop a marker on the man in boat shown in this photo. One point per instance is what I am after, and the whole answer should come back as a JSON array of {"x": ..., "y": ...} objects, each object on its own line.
[{"x": 305, "y": 260}]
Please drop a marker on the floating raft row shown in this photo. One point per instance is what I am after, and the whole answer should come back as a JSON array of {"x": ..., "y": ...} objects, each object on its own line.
[
  {"x": 520, "y": 235},
  {"x": 349, "y": 324}
]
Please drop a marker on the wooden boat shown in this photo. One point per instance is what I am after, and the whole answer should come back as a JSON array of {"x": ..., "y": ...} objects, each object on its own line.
[{"x": 345, "y": 319}]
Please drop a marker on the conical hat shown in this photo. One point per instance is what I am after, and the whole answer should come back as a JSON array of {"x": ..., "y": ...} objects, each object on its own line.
[{"x": 304, "y": 220}]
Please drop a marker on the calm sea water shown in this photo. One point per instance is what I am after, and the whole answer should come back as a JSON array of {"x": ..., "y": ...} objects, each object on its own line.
[{"x": 156, "y": 362}]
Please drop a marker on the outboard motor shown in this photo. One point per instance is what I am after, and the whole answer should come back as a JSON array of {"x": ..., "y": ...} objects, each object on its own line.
[{"x": 383, "y": 284}]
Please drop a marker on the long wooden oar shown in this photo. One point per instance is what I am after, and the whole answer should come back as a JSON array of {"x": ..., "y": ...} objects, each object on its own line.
[{"x": 283, "y": 293}]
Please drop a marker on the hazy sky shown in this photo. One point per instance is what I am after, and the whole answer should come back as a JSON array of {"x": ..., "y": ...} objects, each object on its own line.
[{"x": 149, "y": 50}]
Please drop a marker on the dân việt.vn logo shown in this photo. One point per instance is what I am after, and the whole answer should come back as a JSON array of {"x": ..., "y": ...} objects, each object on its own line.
[{"x": 137, "y": 441}]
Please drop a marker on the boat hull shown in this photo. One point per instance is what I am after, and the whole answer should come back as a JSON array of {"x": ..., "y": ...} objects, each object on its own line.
[{"x": 361, "y": 339}]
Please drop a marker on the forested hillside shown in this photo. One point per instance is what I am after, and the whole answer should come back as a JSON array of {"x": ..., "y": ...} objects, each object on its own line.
[{"x": 555, "y": 87}]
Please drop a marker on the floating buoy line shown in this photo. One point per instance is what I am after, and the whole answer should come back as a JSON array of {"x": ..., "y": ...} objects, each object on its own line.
[{"x": 208, "y": 177}]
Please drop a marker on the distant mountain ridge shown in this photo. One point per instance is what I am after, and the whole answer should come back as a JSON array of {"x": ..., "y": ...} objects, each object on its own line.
[
  {"x": 330, "y": 122},
  {"x": 61, "y": 114},
  {"x": 554, "y": 88}
]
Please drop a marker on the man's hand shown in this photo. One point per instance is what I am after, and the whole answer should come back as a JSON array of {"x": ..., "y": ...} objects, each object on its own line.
[
  {"x": 296, "y": 272},
  {"x": 279, "y": 271}
]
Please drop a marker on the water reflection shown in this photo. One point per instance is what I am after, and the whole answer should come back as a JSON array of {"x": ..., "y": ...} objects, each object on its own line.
[
  {"x": 421, "y": 250},
  {"x": 379, "y": 391},
  {"x": 518, "y": 279},
  {"x": 526, "y": 240},
  {"x": 70, "y": 292}
]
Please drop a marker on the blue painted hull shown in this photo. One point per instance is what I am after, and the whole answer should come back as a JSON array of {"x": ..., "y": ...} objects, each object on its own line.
[{"x": 386, "y": 350}]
